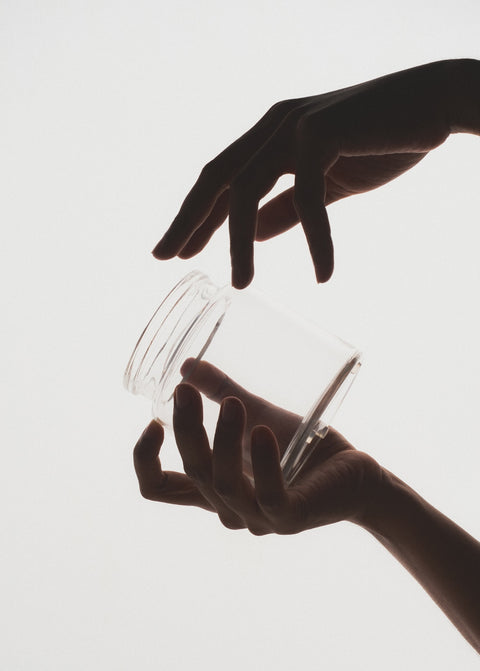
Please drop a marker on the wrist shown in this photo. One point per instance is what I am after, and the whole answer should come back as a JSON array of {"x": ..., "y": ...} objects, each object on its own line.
[
  {"x": 463, "y": 90},
  {"x": 388, "y": 505}
]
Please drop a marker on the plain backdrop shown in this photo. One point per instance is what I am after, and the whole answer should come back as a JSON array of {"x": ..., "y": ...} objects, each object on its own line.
[{"x": 109, "y": 109}]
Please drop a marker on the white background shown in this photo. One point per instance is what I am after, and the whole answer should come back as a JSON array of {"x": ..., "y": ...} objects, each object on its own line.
[{"x": 108, "y": 112}]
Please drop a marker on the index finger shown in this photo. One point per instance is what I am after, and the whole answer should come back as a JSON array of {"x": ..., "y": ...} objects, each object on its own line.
[
  {"x": 211, "y": 381},
  {"x": 196, "y": 207},
  {"x": 213, "y": 181}
]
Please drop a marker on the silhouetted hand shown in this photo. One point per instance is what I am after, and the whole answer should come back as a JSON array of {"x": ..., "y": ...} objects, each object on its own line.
[
  {"x": 336, "y": 144},
  {"x": 335, "y": 484}
]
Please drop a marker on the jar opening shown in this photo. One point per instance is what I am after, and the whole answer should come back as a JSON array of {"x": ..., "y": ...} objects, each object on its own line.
[{"x": 181, "y": 328}]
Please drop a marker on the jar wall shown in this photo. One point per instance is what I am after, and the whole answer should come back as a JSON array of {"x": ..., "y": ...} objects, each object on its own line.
[{"x": 272, "y": 354}]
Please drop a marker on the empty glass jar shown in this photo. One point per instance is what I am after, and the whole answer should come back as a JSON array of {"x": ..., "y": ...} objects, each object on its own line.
[{"x": 293, "y": 376}]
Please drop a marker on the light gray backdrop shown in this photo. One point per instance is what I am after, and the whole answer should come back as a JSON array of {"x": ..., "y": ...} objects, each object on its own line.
[{"x": 108, "y": 111}]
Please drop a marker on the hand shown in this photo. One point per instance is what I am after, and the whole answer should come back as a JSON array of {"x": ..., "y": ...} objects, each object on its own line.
[
  {"x": 337, "y": 482},
  {"x": 336, "y": 144},
  {"x": 215, "y": 385}
]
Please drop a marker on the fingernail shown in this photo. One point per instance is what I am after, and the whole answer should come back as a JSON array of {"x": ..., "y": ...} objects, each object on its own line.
[
  {"x": 182, "y": 396},
  {"x": 230, "y": 410}
]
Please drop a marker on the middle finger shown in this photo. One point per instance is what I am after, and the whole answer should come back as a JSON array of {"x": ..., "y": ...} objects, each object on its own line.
[
  {"x": 230, "y": 464},
  {"x": 195, "y": 451}
]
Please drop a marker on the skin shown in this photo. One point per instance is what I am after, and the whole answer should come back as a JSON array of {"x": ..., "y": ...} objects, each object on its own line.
[
  {"x": 337, "y": 483},
  {"x": 337, "y": 144},
  {"x": 215, "y": 479}
]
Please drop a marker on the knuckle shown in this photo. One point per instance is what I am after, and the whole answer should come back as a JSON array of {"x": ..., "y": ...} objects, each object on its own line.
[
  {"x": 147, "y": 492},
  {"x": 309, "y": 194},
  {"x": 242, "y": 183},
  {"x": 197, "y": 472},
  {"x": 186, "y": 426},
  {"x": 293, "y": 519},
  {"x": 211, "y": 171},
  {"x": 283, "y": 520},
  {"x": 278, "y": 527},
  {"x": 270, "y": 503},
  {"x": 306, "y": 125},
  {"x": 232, "y": 523},
  {"x": 288, "y": 530},
  {"x": 140, "y": 454},
  {"x": 227, "y": 490},
  {"x": 153, "y": 491},
  {"x": 248, "y": 186},
  {"x": 257, "y": 531},
  {"x": 302, "y": 195},
  {"x": 307, "y": 198},
  {"x": 295, "y": 117},
  {"x": 285, "y": 525},
  {"x": 223, "y": 489},
  {"x": 281, "y": 108},
  {"x": 225, "y": 389},
  {"x": 316, "y": 135}
]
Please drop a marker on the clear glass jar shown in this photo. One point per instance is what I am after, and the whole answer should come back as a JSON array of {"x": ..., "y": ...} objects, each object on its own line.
[{"x": 273, "y": 354}]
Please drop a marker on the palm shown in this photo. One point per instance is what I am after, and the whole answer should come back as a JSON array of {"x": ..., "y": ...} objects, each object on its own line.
[
  {"x": 216, "y": 386},
  {"x": 334, "y": 484},
  {"x": 356, "y": 174},
  {"x": 334, "y": 481},
  {"x": 350, "y": 175}
]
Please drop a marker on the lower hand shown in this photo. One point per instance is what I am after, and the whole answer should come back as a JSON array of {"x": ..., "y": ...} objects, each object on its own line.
[{"x": 337, "y": 482}]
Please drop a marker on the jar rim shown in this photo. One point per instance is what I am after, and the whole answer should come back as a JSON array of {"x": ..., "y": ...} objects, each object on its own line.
[
  {"x": 313, "y": 424},
  {"x": 187, "y": 303}
]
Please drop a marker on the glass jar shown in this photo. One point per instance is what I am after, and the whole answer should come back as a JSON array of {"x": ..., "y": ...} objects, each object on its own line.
[{"x": 301, "y": 371}]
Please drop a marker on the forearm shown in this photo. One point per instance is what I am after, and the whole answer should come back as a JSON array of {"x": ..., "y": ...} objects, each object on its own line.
[
  {"x": 442, "y": 557},
  {"x": 464, "y": 96}
]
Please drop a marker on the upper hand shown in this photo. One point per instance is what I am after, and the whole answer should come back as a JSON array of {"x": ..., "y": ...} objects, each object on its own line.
[{"x": 336, "y": 144}]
